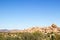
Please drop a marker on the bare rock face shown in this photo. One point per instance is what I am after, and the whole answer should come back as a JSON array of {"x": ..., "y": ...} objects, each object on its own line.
[{"x": 53, "y": 26}]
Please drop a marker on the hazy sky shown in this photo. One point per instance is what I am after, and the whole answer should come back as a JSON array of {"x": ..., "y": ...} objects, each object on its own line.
[{"x": 20, "y": 14}]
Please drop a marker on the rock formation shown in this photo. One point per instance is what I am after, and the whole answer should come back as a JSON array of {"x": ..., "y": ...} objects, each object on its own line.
[
  {"x": 52, "y": 28},
  {"x": 49, "y": 29}
]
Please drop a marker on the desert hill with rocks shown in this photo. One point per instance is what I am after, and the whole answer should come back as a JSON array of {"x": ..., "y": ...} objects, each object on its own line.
[
  {"x": 51, "y": 32},
  {"x": 52, "y": 28}
]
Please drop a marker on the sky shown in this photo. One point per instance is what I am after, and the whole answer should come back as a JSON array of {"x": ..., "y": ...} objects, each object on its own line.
[{"x": 22, "y": 14}]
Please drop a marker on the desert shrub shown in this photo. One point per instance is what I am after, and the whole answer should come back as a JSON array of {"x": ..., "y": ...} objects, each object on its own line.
[
  {"x": 30, "y": 36},
  {"x": 57, "y": 36}
]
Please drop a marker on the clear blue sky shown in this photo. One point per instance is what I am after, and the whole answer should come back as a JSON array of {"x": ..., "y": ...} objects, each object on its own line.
[{"x": 20, "y": 14}]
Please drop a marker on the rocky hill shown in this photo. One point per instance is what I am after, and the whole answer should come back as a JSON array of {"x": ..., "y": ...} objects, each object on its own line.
[{"x": 52, "y": 28}]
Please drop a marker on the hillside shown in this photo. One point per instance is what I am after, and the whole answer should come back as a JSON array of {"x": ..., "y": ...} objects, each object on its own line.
[
  {"x": 52, "y": 28},
  {"x": 49, "y": 29},
  {"x": 35, "y": 33}
]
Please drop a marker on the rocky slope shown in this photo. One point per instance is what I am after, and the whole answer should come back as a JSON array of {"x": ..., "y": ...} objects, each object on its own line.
[{"x": 52, "y": 28}]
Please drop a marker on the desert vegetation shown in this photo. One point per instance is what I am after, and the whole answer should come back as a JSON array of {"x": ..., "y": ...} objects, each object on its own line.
[
  {"x": 34, "y": 35},
  {"x": 30, "y": 36}
]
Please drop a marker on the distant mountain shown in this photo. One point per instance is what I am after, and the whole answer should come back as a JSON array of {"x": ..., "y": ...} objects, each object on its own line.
[{"x": 4, "y": 30}]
